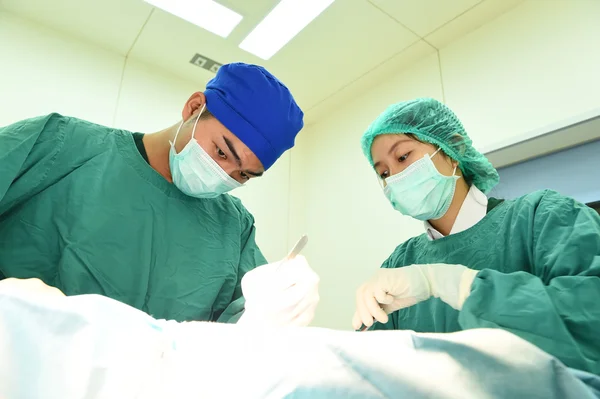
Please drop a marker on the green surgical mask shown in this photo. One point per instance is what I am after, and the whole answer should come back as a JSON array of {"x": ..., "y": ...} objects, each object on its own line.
[{"x": 421, "y": 191}]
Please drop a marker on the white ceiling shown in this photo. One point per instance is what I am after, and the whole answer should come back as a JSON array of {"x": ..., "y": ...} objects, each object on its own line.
[{"x": 352, "y": 45}]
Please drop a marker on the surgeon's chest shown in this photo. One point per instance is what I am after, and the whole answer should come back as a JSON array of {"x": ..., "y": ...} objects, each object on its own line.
[{"x": 128, "y": 241}]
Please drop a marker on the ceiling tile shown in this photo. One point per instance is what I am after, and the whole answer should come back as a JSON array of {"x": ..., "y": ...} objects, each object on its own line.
[
  {"x": 111, "y": 24},
  {"x": 366, "y": 82},
  {"x": 349, "y": 39},
  {"x": 477, "y": 16},
  {"x": 328, "y": 54},
  {"x": 170, "y": 43},
  {"x": 424, "y": 16}
]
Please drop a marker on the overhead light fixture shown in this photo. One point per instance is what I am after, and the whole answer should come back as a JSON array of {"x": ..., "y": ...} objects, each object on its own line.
[
  {"x": 207, "y": 14},
  {"x": 280, "y": 26}
]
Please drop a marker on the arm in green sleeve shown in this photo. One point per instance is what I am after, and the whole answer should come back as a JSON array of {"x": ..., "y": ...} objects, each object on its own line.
[
  {"x": 28, "y": 150},
  {"x": 556, "y": 307},
  {"x": 250, "y": 258}
]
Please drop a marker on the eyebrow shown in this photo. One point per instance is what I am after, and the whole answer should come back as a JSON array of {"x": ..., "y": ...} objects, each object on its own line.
[
  {"x": 233, "y": 151},
  {"x": 237, "y": 158}
]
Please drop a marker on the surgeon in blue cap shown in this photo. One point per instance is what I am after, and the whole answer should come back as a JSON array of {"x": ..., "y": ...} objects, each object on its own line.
[{"x": 145, "y": 218}]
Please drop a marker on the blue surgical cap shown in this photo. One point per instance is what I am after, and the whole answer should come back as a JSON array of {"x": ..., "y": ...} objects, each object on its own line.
[{"x": 256, "y": 107}]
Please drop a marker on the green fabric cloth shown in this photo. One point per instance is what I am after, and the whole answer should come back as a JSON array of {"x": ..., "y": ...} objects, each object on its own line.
[
  {"x": 539, "y": 262},
  {"x": 82, "y": 210},
  {"x": 492, "y": 203}
]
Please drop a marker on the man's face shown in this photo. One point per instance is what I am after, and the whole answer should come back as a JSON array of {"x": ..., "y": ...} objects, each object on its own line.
[{"x": 233, "y": 156}]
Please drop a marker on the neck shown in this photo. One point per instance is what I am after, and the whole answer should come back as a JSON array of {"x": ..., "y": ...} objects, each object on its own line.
[
  {"x": 445, "y": 223},
  {"x": 157, "y": 147}
]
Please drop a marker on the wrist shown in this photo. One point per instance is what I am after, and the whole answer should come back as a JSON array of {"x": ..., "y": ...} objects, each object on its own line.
[{"x": 451, "y": 283}]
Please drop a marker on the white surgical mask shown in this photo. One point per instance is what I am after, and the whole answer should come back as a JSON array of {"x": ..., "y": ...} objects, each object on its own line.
[
  {"x": 195, "y": 173},
  {"x": 421, "y": 191}
]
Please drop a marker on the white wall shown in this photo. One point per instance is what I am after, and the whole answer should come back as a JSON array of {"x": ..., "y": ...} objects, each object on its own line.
[
  {"x": 44, "y": 71},
  {"x": 536, "y": 65}
]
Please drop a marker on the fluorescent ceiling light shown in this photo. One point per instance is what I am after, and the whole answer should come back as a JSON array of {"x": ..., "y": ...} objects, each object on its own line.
[
  {"x": 280, "y": 26},
  {"x": 207, "y": 14}
]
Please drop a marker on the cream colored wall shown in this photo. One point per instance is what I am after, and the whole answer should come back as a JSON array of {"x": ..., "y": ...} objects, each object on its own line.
[
  {"x": 532, "y": 67},
  {"x": 43, "y": 71}
]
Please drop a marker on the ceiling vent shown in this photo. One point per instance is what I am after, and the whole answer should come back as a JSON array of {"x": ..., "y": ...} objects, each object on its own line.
[{"x": 205, "y": 63}]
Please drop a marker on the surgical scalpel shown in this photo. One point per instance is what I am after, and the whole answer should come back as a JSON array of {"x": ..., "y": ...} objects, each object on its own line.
[{"x": 295, "y": 250}]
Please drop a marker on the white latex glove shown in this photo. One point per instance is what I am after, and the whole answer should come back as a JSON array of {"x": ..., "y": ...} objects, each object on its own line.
[
  {"x": 280, "y": 294},
  {"x": 390, "y": 290}
]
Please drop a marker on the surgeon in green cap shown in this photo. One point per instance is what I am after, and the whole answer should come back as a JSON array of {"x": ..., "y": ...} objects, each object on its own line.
[{"x": 530, "y": 265}]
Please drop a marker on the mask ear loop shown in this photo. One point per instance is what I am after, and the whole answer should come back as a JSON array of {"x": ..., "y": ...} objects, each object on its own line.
[
  {"x": 176, "y": 134},
  {"x": 435, "y": 153},
  {"x": 197, "y": 119},
  {"x": 193, "y": 130}
]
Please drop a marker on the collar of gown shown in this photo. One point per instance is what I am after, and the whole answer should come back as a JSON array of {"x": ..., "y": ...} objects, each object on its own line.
[{"x": 473, "y": 209}]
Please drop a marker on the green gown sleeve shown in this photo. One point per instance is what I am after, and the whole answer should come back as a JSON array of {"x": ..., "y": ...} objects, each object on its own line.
[
  {"x": 250, "y": 257},
  {"x": 28, "y": 150},
  {"x": 557, "y": 305}
]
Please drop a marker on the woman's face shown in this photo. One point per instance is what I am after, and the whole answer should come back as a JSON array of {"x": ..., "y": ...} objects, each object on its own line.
[{"x": 393, "y": 153}]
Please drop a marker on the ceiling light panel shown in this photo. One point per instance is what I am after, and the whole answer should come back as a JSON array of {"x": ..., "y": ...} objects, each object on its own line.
[
  {"x": 207, "y": 14},
  {"x": 280, "y": 26}
]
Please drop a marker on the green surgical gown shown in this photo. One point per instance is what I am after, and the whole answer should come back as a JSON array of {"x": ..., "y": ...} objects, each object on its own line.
[
  {"x": 539, "y": 262},
  {"x": 81, "y": 210}
]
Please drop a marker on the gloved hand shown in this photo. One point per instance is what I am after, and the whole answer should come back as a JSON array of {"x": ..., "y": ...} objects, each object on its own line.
[
  {"x": 280, "y": 294},
  {"x": 393, "y": 289}
]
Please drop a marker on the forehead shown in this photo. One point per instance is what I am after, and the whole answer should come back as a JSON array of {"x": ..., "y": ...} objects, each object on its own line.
[{"x": 383, "y": 143}]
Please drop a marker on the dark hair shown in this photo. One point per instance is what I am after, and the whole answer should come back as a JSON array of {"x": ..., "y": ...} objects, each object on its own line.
[{"x": 205, "y": 115}]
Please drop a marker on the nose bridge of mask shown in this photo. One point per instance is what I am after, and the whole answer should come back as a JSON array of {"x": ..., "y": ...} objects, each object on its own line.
[
  {"x": 195, "y": 172},
  {"x": 207, "y": 160},
  {"x": 412, "y": 168},
  {"x": 421, "y": 191},
  {"x": 203, "y": 155}
]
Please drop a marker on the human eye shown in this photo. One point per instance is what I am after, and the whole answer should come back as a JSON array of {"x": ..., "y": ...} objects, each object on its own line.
[{"x": 403, "y": 157}]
